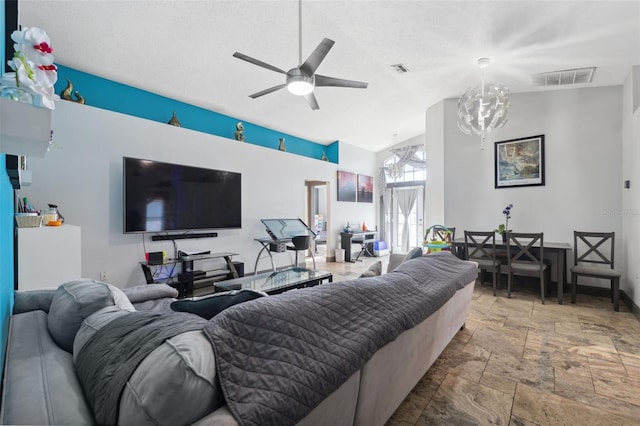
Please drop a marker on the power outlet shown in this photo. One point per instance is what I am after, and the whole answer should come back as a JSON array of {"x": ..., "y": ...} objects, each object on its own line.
[{"x": 104, "y": 276}]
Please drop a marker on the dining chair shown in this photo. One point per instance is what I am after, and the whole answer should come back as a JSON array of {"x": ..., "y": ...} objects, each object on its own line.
[
  {"x": 525, "y": 255},
  {"x": 480, "y": 247},
  {"x": 301, "y": 243},
  {"x": 593, "y": 256}
]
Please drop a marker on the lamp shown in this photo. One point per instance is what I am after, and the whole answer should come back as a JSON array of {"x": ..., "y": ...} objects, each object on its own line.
[
  {"x": 480, "y": 110},
  {"x": 299, "y": 83}
]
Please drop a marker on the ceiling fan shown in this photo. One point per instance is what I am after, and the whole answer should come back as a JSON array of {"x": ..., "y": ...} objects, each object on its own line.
[{"x": 302, "y": 79}]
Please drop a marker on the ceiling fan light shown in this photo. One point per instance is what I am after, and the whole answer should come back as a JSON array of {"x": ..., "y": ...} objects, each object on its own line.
[
  {"x": 298, "y": 83},
  {"x": 300, "y": 88}
]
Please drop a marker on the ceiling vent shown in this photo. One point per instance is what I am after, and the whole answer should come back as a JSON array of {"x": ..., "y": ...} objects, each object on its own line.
[
  {"x": 562, "y": 78},
  {"x": 399, "y": 68}
]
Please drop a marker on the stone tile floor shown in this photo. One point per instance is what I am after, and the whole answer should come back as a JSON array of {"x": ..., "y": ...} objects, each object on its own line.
[{"x": 519, "y": 362}]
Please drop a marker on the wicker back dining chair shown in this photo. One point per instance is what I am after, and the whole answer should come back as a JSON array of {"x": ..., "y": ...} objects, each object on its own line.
[
  {"x": 480, "y": 247},
  {"x": 525, "y": 254},
  {"x": 593, "y": 256}
]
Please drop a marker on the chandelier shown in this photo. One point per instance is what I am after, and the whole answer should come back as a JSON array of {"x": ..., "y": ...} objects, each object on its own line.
[
  {"x": 484, "y": 108},
  {"x": 395, "y": 171}
]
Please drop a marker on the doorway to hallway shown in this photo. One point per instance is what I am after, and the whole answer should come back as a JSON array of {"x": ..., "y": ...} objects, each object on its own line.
[{"x": 317, "y": 216}]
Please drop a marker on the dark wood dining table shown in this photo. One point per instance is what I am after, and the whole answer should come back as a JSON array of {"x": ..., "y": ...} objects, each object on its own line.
[{"x": 559, "y": 251}]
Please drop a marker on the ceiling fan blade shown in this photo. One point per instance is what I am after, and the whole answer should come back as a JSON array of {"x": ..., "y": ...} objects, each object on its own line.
[
  {"x": 258, "y": 62},
  {"x": 312, "y": 63},
  {"x": 267, "y": 91},
  {"x": 311, "y": 100},
  {"x": 323, "y": 80}
]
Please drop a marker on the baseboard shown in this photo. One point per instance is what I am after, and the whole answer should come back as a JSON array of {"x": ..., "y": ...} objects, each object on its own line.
[
  {"x": 533, "y": 283},
  {"x": 591, "y": 291},
  {"x": 635, "y": 309}
]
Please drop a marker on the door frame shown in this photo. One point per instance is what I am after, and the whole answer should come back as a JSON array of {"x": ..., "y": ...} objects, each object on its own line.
[
  {"x": 419, "y": 203},
  {"x": 310, "y": 186}
]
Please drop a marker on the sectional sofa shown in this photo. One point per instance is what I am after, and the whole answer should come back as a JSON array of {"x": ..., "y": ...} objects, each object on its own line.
[{"x": 229, "y": 370}]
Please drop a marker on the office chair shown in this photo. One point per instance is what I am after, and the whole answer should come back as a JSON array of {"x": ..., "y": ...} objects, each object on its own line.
[
  {"x": 301, "y": 243},
  {"x": 364, "y": 245},
  {"x": 588, "y": 244}
]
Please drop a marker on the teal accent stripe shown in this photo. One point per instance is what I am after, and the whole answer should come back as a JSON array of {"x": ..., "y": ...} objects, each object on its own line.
[
  {"x": 6, "y": 232},
  {"x": 117, "y": 97},
  {"x": 6, "y": 260},
  {"x": 2, "y": 38}
]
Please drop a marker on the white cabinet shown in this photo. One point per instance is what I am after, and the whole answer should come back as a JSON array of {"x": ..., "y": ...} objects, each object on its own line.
[
  {"x": 48, "y": 256},
  {"x": 24, "y": 129}
]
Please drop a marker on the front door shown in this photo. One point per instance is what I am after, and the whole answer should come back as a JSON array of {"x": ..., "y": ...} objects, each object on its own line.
[{"x": 406, "y": 227}]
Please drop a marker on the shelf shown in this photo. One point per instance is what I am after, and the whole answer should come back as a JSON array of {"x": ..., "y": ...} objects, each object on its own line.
[{"x": 24, "y": 129}]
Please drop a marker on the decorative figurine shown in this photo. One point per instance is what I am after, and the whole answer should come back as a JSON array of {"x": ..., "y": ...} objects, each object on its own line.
[
  {"x": 282, "y": 146},
  {"x": 66, "y": 94},
  {"x": 174, "y": 120},
  {"x": 324, "y": 157},
  {"x": 239, "y": 134}
]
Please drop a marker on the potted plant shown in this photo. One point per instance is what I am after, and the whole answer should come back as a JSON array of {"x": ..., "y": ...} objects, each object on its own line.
[{"x": 503, "y": 228}]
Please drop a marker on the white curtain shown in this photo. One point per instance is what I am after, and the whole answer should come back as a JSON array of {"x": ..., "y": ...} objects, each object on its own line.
[{"x": 406, "y": 201}]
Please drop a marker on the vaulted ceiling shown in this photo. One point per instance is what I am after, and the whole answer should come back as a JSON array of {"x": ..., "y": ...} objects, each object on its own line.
[{"x": 183, "y": 49}]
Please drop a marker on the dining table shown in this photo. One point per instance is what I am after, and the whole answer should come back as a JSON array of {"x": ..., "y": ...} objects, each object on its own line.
[{"x": 558, "y": 251}]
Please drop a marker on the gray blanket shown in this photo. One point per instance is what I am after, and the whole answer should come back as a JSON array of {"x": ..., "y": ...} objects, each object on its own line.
[
  {"x": 280, "y": 356},
  {"x": 110, "y": 356}
]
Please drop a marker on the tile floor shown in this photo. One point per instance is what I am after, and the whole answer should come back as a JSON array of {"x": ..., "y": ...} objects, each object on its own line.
[{"x": 519, "y": 362}]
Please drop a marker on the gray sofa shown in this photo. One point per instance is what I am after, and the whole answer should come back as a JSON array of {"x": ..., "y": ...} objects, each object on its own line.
[{"x": 177, "y": 383}]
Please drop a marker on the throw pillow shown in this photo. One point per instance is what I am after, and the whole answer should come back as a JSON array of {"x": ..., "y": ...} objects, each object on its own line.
[
  {"x": 373, "y": 271},
  {"x": 74, "y": 301},
  {"x": 413, "y": 253},
  {"x": 208, "y": 307},
  {"x": 185, "y": 361}
]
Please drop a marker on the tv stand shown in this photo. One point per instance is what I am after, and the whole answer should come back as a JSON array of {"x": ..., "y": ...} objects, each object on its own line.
[{"x": 184, "y": 282}]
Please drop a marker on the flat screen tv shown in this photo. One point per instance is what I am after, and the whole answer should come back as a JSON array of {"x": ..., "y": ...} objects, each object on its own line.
[{"x": 162, "y": 197}]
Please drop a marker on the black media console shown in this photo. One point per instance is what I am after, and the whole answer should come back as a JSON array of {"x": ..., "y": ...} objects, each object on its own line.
[{"x": 189, "y": 279}]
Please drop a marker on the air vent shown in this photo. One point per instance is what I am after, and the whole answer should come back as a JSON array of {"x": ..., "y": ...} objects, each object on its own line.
[
  {"x": 562, "y": 78},
  {"x": 399, "y": 68}
]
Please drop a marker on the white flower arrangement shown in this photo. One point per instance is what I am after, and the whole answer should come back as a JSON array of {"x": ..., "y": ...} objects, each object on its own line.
[{"x": 33, "y": 66}]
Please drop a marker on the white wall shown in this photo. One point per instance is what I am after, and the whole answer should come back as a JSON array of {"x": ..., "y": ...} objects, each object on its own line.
[
  {"x": 630, "y": 212},
  {"x": 434, "y": 151},
  {"x": 82, "y": 174},
  {"x": 354, "y": 160},
  {"x": 583, "y": 151}
]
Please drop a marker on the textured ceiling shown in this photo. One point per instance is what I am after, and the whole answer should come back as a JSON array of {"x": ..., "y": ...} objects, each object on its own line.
[{"x": 183, "y": 50}]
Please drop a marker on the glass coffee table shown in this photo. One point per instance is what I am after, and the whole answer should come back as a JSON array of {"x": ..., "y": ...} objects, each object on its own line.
[{"x": 276, "y": 282}]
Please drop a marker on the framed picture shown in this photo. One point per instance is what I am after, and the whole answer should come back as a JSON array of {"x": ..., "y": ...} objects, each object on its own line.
[
  {"x": 519, "y": 162},
  {"x": 346, "y": 186},
  {"x": 365, "y": 189}
]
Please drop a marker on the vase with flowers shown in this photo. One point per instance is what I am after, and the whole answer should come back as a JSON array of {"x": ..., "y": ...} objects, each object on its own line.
[
  {"x": 34, "y": 72},
  {"x": 503, "y": 228}
]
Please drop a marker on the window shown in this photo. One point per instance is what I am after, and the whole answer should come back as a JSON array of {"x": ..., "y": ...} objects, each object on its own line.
[{"x": 406, "y": 173}]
